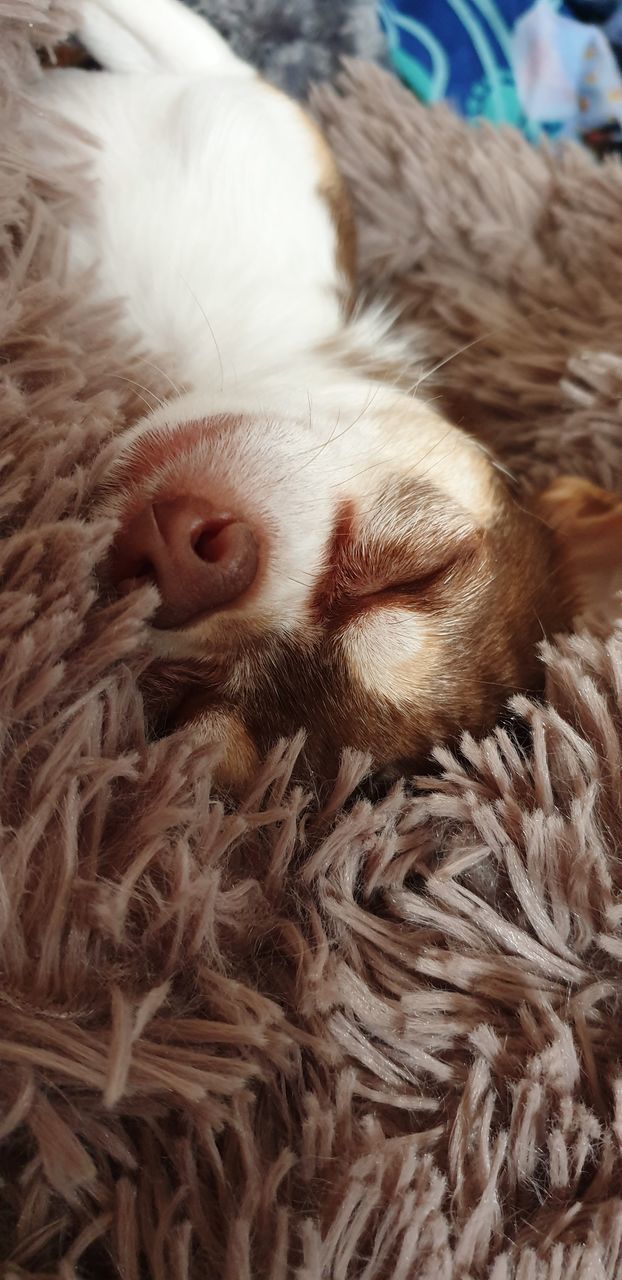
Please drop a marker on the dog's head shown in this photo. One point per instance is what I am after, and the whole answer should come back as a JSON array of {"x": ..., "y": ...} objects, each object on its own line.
[{"x": 346, "y": 561}]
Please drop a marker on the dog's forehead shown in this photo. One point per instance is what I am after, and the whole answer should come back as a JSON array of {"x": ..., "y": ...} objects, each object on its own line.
[{"x": 328, "y": 440}]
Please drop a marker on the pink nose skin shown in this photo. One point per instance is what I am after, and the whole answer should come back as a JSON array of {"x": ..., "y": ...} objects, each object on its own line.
[{"x": 199, "y": 558}]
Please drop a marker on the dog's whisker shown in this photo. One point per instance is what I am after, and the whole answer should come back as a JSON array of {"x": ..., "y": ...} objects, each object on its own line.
[
  {"x": 454, "y": 356},
  {"x": 158, "y": 369},
  {"x": 121, "y": 377},
  {"x": 211, "y": 331}
]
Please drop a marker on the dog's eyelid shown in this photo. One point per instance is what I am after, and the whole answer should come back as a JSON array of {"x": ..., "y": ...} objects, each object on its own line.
[
  {"x": 399, "y": 584},
  {"x": 414, "y": 588},
  {"x": 403, "y": 574},
  {"x": 402, "y": 570}
]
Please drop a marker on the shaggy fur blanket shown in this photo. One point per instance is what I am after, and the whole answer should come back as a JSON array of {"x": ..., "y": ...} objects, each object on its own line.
[{"x": 320, "y": 1036}]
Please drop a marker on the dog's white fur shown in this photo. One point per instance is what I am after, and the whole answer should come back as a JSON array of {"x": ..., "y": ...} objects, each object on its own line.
[{"x": 209, "y": 223}]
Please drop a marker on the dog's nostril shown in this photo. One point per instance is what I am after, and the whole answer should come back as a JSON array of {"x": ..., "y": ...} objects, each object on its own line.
[
  {"x": 209, "y": 546},
  {"x": 199, "y": 559}
]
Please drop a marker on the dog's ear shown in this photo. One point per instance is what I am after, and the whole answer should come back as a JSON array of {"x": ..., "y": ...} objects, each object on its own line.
[{"x": 587, "y": 526}]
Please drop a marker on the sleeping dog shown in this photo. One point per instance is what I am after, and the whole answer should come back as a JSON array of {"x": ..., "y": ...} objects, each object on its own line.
[{"x": 329, "y": 551}]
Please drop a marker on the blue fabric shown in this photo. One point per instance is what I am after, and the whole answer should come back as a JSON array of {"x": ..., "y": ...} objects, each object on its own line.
[{"x": 549, "y": 68}]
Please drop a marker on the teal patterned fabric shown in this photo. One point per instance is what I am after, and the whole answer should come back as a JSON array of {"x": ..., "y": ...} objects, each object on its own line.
[{"x": 549, "y": 68}]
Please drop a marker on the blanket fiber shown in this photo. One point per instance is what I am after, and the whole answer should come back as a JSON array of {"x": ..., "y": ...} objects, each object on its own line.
[{"x": 321, "y": 1036}]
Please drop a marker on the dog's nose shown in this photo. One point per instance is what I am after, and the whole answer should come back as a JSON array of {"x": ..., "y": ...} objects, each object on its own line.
[{"x": 199, "y": 558}]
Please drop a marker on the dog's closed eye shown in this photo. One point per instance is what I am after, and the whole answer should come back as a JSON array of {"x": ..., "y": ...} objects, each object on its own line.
[{"x": 404, "y": 552}]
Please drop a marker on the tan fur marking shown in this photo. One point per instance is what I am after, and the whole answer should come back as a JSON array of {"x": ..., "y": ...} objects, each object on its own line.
[
  {"x": 223, "y": 727},
  {"x": 332, "y": 189},
  {"x": 391, "y": 652}
]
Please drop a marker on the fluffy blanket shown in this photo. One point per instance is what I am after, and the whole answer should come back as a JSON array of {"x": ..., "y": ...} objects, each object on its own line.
[{"x": 321, "y": 1036}]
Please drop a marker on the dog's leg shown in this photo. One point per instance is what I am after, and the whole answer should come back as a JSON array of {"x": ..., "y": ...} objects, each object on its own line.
[{"x": 155, "y": 35}]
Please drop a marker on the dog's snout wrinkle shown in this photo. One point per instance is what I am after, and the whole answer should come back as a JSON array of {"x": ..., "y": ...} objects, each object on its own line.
[{"x": 201, "y": 559}]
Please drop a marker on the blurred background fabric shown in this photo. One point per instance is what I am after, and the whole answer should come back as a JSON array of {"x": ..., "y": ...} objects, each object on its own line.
[
  {"x": 297, "y": 42},
  {"x": 549, "y": 67}
]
